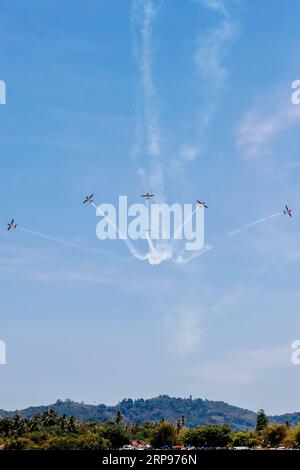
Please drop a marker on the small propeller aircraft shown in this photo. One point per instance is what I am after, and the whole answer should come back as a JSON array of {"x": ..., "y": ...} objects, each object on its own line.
[
  {"x": 202, "y": 204},
  {"x": 11, "y": 225},
  {"x": 287, "y": 211},
  {"x": 88, "y": 199},
  {"x": 147, "y": 196}
]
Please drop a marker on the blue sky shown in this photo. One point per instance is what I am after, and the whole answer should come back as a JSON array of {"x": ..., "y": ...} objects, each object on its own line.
[{"x": 90, "y": 87}]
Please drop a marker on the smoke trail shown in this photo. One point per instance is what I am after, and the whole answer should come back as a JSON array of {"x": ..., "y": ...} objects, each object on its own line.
[
  {"x": 142, "y": 16},
  {"x": 160, "y": 252},
  {"x": 252, "y": 224},
  {"x": 148, "y": 129},
  {"x": 148, "y": 133},
  {"x": 62, "y": 242},
  {"x": 211, "y": 52},
  {"x": 129, "y": 245},
  {"x": 186, "y": 220},
  {"x": 181, "y": 260},
  {"x": 47, "y": 237},
  {"x": 233, "y": 232},
  {"x": 150, "y": 242},
  {"x": 256, "y": 222},
  {"x": 151, "y": 117},
  {"x": 156, "y": 254},
  {"x": 275, "y": 215}
]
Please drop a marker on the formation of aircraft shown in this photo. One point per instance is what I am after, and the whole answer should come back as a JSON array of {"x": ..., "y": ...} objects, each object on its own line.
[
  {"x": 287, "y": 211},
  {"x": 202, "y": 204},
  {"x": 11, "y": 225},
  {"x": 147, "y": 196},
  {"x": 88, "y": 199}
]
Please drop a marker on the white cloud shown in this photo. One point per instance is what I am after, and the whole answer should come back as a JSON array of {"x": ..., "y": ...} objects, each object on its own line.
[
  {"x": 241, "y": 367},
  {"x": 183, "y": 332},
  {"x": 24, "y": 272},
  {"x": 188, "y": 153},
  {"x": 259, "y": 128},
  {"x": 37, "y": 265}
]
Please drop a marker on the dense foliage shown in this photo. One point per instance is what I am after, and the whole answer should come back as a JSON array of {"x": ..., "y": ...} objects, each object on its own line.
[{"x": 49, "y": 431}]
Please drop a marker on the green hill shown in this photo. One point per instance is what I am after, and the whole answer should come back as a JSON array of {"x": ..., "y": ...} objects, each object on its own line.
[{"x": 196, "y": 412}]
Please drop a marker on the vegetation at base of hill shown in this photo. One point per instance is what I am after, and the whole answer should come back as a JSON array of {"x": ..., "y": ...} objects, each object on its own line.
[{"x": 49, "y": 431}]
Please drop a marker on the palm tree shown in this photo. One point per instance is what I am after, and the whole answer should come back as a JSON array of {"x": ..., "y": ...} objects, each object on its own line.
[
  {"x": 63, "y": 422},
  {"x": 119, "y": 417},
  {"x": 72, "y": 424},
  {"x": 180, "y": 424}
]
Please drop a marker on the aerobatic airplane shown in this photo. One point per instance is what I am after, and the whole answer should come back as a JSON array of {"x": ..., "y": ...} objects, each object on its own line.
[
  {"x": 88, "y": 199},
  {"x": 201, "y": 204},
  {"x": 147, "y": 196},
  {"x": 287, "y": 211},
  {"x": 11, "y": 225}
]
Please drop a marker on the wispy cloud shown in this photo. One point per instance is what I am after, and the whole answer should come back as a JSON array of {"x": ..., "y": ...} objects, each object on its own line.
[
  {"x": 259, "y": 128},
  {"x": 29, "y": 270},
  {"x": 183, "y": 332},
  {"x": 279, "y": 247},
  {"x": 189, "y": 152},
  {"x": 38, "y": 265},
  {"x": 65, "y": 277},
  {"x": 242, "y": 369}
]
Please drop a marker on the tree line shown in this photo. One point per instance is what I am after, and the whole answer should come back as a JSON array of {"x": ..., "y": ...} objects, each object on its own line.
[{"x": 50, "y": 431}]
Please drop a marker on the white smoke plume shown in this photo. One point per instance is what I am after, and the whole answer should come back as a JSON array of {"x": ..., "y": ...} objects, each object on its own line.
[
  {"x": 148, "y": 131},
  {"x": 231, "y": 233}
]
